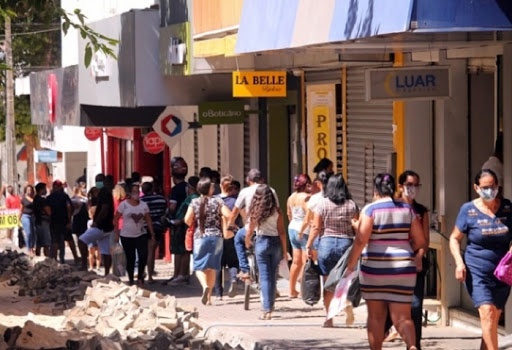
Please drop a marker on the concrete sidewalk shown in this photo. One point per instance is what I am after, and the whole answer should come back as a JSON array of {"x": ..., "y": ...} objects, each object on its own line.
[{"x": 294, "y": 324}]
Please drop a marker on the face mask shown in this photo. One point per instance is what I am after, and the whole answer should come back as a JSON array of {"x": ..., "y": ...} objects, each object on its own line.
[
  {"x": 99, "y": 184},
  {"x": 487, "y": 194},
  {"x": 410, "y": 191}
]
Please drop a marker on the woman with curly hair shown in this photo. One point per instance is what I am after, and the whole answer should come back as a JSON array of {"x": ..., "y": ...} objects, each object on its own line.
[
  {"x": 296, "y": 209},
  {"x": 266, "y": 220}
]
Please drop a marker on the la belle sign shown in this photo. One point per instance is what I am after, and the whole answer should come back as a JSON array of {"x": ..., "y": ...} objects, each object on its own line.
[{"x": 259, "y": 84}]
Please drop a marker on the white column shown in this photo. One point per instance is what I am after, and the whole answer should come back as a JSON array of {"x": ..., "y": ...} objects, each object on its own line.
[
  {"x": 451, "y": 158},
  {"x": 507, "y": 145}
]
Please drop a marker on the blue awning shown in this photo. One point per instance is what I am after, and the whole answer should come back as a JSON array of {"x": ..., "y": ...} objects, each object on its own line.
[{"x": 267, "y": 25}]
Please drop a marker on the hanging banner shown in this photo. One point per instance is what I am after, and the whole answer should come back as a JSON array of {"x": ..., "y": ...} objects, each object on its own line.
[
  {"x": 321, "y": 123},
  {"x": 259, "y": 84},
  {"x": 9, "y": 218}
]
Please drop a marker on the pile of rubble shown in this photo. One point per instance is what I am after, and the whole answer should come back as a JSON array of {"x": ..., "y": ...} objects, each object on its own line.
[
  {"x": 136, "y": 316},
  {"x": 46, "y": 281}
]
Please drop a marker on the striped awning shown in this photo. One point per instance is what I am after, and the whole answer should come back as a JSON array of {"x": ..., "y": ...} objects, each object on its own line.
[{"x": 267, "y": 25}]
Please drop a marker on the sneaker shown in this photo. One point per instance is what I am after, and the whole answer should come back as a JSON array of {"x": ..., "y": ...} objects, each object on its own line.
[
  {"x": 243, "y": 275},
  {"x": 232, "y": 289}
]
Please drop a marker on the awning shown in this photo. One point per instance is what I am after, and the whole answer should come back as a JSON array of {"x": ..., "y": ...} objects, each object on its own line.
[{"x": 267, "y": 25}]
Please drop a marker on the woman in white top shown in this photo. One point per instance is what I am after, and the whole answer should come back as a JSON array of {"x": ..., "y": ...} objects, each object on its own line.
[
  {"x": 296, "y": 209},
  {"x": 133, "y": 237},
  {"x": 319, "y": 183},
  {"x": 266, "y": 219}
]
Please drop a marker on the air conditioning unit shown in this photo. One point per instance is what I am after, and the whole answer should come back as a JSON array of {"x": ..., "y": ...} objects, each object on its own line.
[{"x": 176, "y": 51}]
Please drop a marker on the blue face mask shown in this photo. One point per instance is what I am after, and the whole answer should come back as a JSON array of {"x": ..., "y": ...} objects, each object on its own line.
[{"x": 99, "y": 184}]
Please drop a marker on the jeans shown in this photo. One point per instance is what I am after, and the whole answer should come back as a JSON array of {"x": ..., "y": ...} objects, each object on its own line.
[
  {"x": 268, "y": 254},
  {"x": 29, "y": 227},
  {"x": 240, "y": 250},
  {"x": 330, "y": 251},
  {"x": 132, "y": 245}
]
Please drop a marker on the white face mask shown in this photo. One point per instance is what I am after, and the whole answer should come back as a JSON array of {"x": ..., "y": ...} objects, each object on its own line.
[
  {"x": 410, "y": 191},
  {"x": 487, "y": 194}
]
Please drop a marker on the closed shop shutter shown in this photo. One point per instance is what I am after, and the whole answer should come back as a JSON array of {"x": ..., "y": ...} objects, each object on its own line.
[
  {"x": 369, "y": 137},
  {"x": 323, "y": 77}
]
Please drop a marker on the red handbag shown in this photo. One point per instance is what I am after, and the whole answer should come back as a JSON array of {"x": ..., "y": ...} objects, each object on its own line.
[{"x": 503, "y": 271}]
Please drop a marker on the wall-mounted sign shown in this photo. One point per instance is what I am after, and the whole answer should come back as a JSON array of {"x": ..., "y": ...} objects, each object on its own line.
[
  {"x": 170, "y": 125},
  {"x": 231, "y": 112},
  {"x": 425, "y": 83},
  {"x": 153, "y": 143},
  {"x": 52, "y": 97},
  {"x": 46, "y": 156},
  {"x": 259, "y": 84},
  {"x": 321, "y": 119},
  {"x": 92, "y": 134}
]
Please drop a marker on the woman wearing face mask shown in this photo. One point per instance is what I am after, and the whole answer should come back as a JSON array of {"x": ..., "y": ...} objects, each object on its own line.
[
  {"x": 133, "y": 238},
  {"x": 408, "y": 188},
  {"x": 487, "y": 222}
]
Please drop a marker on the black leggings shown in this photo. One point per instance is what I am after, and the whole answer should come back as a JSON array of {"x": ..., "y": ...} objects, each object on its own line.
[{"x": 130, "y": 245}]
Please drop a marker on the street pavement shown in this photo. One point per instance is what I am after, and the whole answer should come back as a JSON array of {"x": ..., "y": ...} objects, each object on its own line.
[{"x": 294, "y": 324}]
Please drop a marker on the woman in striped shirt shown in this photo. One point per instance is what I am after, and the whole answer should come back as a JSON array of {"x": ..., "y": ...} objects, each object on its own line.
[{"x": 391, "y": 243}]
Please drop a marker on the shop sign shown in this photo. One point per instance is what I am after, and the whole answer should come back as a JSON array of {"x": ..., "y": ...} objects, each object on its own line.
[
  {"x": 170, "y": 127},
  {"x": 221, "y": 113},
  {"x": 259, "y": 84},
  {"x": 9, "y": 218},
  {"x": 153, "y": 143},
  {"x": 92, "y": 134},
  {"x": 45, "y": 156},
  {"x": 52, "y": 97},
  {"x": 425, "y": 83},
  {"x": 321, "y": 119}
]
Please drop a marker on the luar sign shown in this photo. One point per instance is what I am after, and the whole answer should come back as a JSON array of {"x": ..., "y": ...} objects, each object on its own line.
[
  {"x": 425, "y": 83},
  {"x": 259, "y": 84}
]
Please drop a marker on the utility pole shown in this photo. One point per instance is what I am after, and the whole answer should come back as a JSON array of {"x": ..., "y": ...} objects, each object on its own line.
[{"x": 10, "y": 132}]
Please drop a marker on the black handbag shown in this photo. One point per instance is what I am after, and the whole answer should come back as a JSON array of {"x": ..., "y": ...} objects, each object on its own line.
[
  {"x": 21, "y": 238},
  {"x": 310, "y": 286}
]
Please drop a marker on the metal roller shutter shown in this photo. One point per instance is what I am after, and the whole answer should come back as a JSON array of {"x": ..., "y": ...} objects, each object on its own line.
[
  {"x": 323, "y": 77},
  {"x": 369, "y": 137}
]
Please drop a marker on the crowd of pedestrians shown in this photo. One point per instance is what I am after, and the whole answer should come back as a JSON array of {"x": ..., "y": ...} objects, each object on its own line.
[{"x": 212, "y": 219}]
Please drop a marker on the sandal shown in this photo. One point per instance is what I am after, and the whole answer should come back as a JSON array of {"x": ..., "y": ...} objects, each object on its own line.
[
  {"x": 266, "y": 316},
  {"x": 204, "y": 297}
]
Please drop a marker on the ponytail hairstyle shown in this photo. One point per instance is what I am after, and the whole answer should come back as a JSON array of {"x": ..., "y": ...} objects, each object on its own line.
[
  {"x": 385, "y": 185},
  {"x": 301, "y": 182},
  {"x": 226, "y": 183},
  {"x": 203, "y": 187}
]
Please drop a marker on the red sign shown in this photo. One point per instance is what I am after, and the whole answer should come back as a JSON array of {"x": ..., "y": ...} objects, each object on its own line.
[
  {"x": 52, "y": 97},
  {"x": 92, "y": 134},
  {"x": 153, "y": 143}
]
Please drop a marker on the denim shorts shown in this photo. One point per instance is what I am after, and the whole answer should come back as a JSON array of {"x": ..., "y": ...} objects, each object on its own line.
[
  {"x": 330, "y": 250},
  {"x": 295, "y": 241}
]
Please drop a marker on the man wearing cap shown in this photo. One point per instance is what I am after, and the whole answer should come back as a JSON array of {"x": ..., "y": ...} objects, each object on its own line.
[
  {"x": 254, "y": 179},
  {"x": 60, "y": 220}
]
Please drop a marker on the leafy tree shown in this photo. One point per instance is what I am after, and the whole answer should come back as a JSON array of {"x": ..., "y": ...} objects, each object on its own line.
[{"x": 36, "y": 45}]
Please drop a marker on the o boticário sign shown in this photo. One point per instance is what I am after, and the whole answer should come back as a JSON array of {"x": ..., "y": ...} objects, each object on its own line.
[
  {"x": 425, "y": 83},
  {"x": 259, "y": 84},
  {"x": 231, "y": 112},
  {"x": 9, "y": 218}
]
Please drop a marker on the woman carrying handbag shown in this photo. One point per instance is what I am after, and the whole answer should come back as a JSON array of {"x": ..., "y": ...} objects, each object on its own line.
[{"x": 487, "y": 222}]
